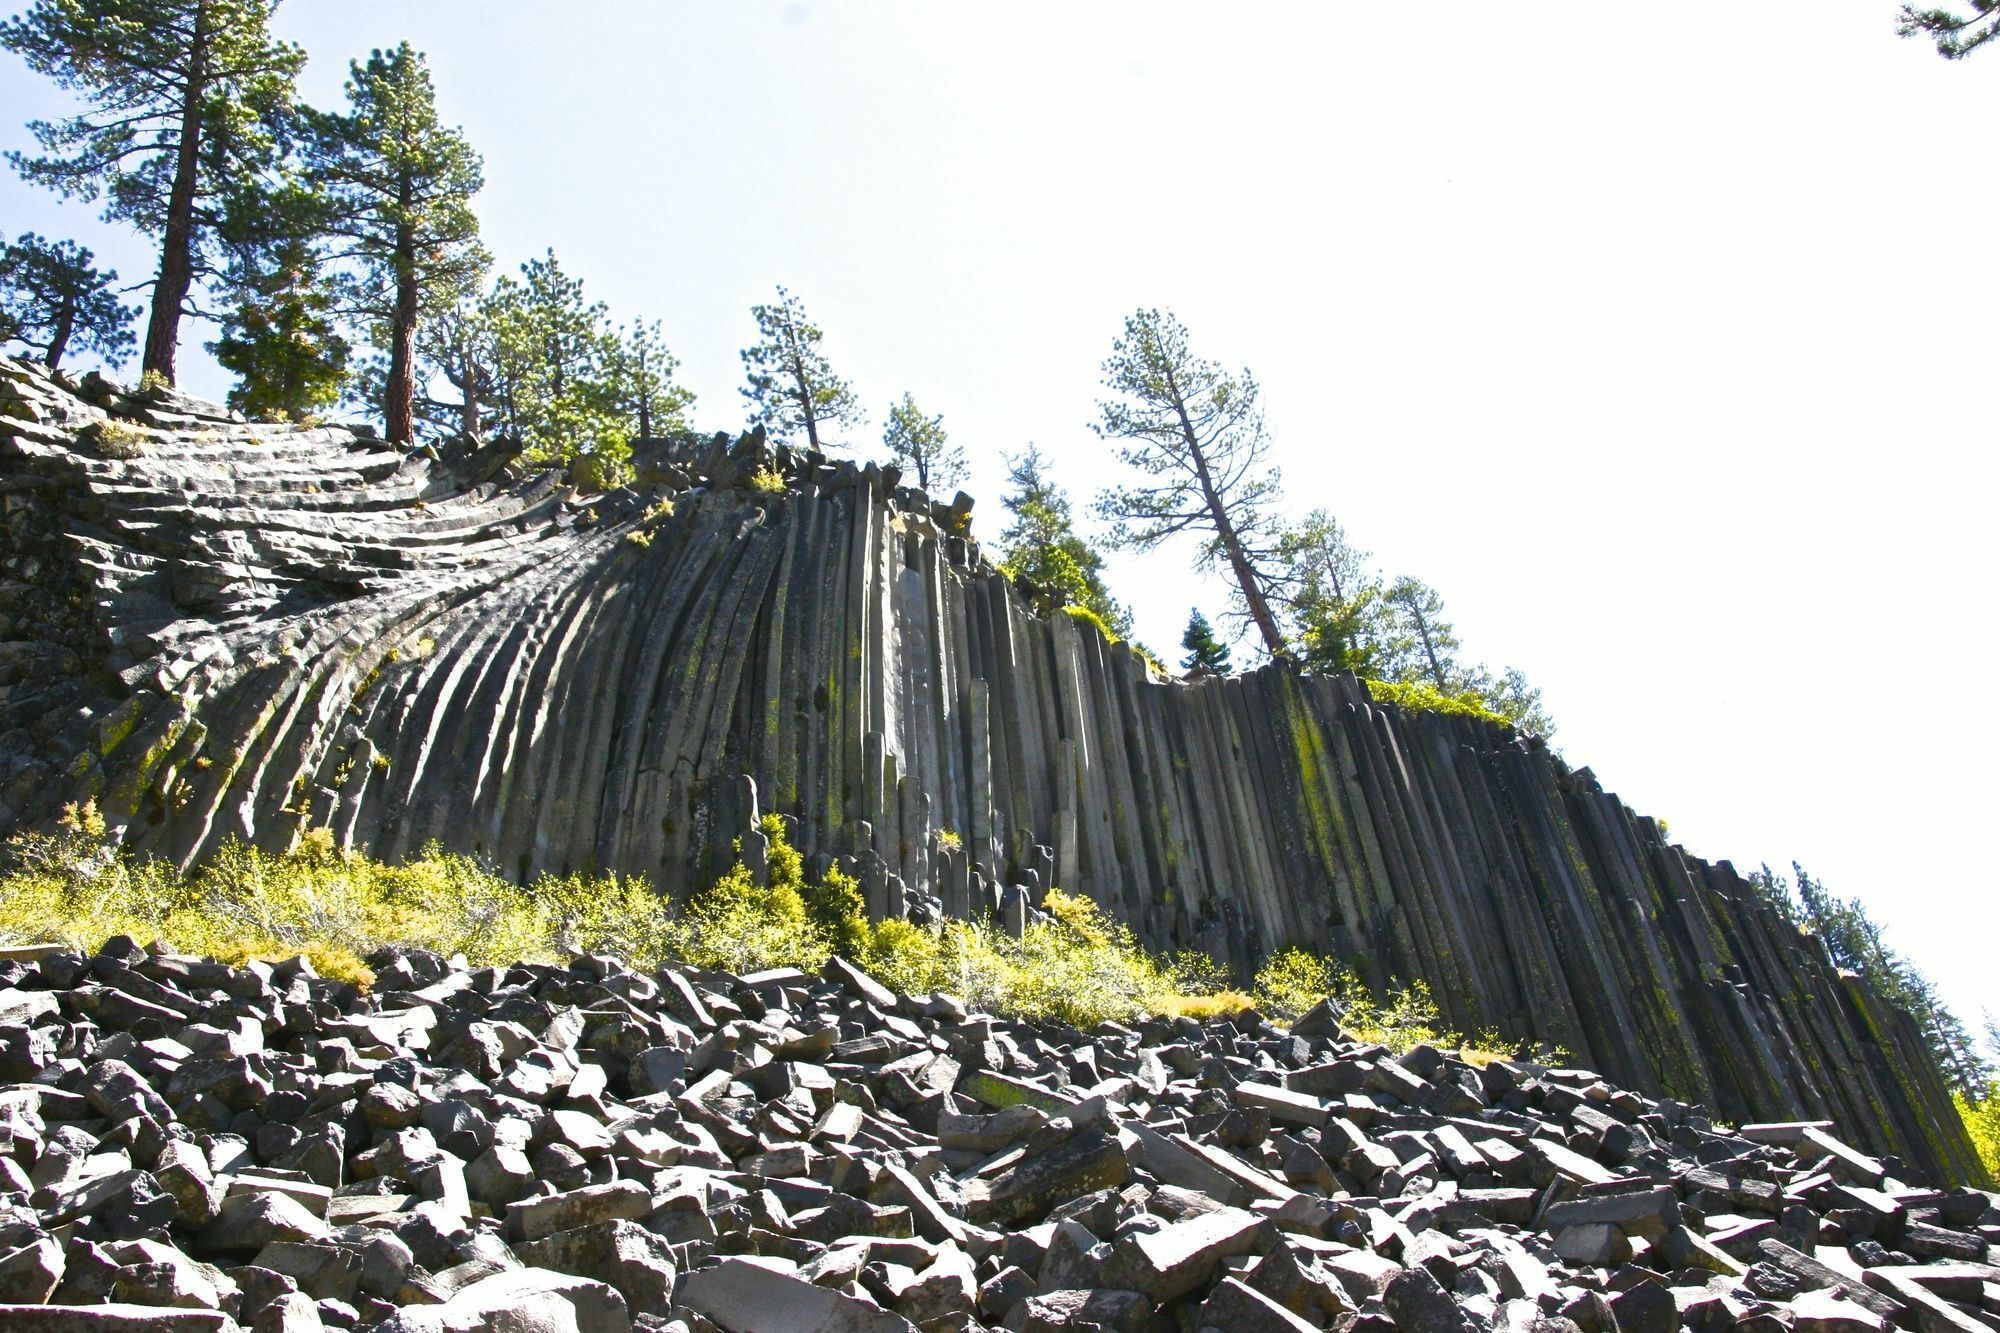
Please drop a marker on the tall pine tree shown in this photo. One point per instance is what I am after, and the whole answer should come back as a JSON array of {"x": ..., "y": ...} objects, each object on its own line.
[
  {"x": 922, "y": 444},
  {"x": 1956, "y": 32},
  {"x": 399, "y": 185},
  {"x": 1196, "y": 433},
  {"x": 189, "y": 105}
]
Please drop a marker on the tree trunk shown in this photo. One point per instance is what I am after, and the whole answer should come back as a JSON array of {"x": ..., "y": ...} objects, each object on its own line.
[
  {"x": 399, "y": 407},
  {"x": 1232, "y": 546},
  {"x": 645, "y": 399},
  {"x": 468, "y": 415},
  {"x": 1430, "y": 652},
  {"x": 65, "y": 325},
  {"x": 806, "y": 401},
  {"x": 170, "y": 291}
]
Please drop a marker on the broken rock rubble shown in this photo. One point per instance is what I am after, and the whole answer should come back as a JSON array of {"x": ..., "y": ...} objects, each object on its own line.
[{"x": 186, "y": 1145}]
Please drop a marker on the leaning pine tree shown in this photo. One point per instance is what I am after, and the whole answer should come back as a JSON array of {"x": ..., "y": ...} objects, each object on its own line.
[
  {"x": 1197, "y": 433},
  {"x": 189, "y": 103}
]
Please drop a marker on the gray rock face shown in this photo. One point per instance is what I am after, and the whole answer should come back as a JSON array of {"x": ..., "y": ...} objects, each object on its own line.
[{"x": 181, "y": 616}]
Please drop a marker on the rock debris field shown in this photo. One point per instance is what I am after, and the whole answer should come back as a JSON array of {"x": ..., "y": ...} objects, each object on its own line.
[{"x": 190, "y": 1146}]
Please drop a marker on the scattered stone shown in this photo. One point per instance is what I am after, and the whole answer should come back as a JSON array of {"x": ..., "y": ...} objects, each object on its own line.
[{"x": 514, "y": 1149}]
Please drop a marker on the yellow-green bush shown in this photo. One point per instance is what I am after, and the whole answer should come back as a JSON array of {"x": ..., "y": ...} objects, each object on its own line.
[
  {"x": 1419, "y": 697},
  {"x": 332, "y": 906},
  {"x": 1982, "y": 1123},
  {"x": 1090, "y": 617},
  {"x": 1295, "y": 979},
  {"x": 1076, "y": 966}
]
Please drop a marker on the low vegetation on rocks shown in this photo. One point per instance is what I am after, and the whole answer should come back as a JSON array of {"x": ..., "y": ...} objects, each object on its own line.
[{"x": 1074, "y": 964}]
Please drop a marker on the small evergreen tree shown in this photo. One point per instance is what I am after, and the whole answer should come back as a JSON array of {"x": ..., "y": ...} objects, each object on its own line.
[
  {"x": 642, "y": 372},
  {"x": 920, "y": 444},
  {"x": 190, "y": 102},
  {"x": 553, "y": 354},
  {"x": 282, "y": 340},
  {"x": 1041, "y": 544},
  {"x": 791, "y": 387},
  {"x": 1333, "y": 600},
  {"x": 1422, "y": 644},
  {"x": 1206, "y": 655},
  {"x": 53, "y": 298}
]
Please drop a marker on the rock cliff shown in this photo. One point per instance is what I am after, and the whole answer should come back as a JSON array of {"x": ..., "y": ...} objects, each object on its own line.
[{"x": 229, "y": 630}]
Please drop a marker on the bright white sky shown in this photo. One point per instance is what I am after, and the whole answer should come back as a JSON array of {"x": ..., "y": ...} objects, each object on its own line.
[{"x": 1649, "y": 335}]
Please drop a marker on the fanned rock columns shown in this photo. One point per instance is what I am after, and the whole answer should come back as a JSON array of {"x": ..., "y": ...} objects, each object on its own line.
[{"x": 223, "y": 630}]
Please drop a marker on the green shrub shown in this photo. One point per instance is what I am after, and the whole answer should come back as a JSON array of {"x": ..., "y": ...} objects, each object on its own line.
[
  {"x": 737, "y": 925},
  {"x": 768, "y": 481},
  {"x": 1982, "y": 1123},
  {"x": 1293, "y": 980},
  {"x": 332, "y": 906},
  {"x": 1090, "y": 617},
  {"x": 1422, "y": 698},
  {"x": 120, "y": 439}
]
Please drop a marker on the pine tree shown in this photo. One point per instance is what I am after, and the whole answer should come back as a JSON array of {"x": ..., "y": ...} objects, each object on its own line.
[
  {"x": 1041, "y": 544},
  {"x": 53, "y": 298},
  {"x": 553, "y": 353},
  {"x": 282, "y": 339},
  {"x": 642, "y": 371},
  {"x": 1206, "y": 655},
  {"x": 921, "y": 444},
  {"x": 1854, "y": 943},
  {"x": 400, "y": 186},
  {"x": 190, "y": 101},
  {"x": 1197, "y": 433},
  {"x": 791, "y": 387},
  {"x": 1956, "y": 34},
  {"x": 456, "y": 346},
  {"x": 1334, "y": 601},
  {"x": 1422, "y": 643}
]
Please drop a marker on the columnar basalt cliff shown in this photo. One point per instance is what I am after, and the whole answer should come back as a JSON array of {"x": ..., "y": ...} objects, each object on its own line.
[{"x": 225, "y": 630}]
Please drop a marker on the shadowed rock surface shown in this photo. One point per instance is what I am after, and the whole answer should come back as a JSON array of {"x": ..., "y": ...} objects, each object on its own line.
[{"x": 224, "y": 630}]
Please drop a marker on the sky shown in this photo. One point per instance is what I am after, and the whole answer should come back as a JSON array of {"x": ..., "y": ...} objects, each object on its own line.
[{"x": 1649, "y": 336}]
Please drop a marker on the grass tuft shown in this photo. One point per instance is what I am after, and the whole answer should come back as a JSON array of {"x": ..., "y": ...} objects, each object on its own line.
[{"x": 120, "y": 439}]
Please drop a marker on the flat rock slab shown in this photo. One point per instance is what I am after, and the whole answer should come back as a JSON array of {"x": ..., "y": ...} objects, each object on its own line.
[
  {"x": 1179, "y": 1257},
  {"x": 520, "y": 1300},
  {"x": 110, "y": 1319},
  {"x": 747, "y": 1297}
]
